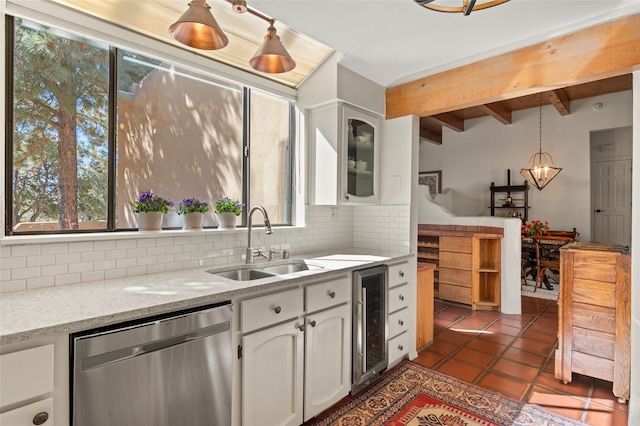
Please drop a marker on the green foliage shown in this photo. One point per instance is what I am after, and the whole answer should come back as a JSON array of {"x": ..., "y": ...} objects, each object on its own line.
[
  {"x": 149, "y": 202},
  {"x": 229, "y": 205},
  {"x": 192, "y": 205}
]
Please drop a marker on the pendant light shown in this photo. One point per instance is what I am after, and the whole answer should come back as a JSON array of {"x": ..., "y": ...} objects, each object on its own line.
[
  {"x": 271, "y": 56},
  {"x": 465, "y": 6},
  {"x": 540, "y": 170},
  {"x": 198, "y": 28}
]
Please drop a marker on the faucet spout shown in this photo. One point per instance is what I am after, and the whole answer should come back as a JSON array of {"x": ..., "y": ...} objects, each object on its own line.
[{"x": 267, "y": 228}]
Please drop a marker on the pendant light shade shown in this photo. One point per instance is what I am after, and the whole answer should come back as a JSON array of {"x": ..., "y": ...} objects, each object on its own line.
[
  {"x": 540, "y": 170},
  {"x": 198, "y": 28},
  {"x": 272, "y": 57}
]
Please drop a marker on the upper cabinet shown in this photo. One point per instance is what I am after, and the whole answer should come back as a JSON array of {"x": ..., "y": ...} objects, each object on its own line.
[{"x": 343, "y": 155}]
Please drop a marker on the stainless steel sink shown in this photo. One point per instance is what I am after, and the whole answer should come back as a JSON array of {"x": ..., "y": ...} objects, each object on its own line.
[
  {"x": 242, "y": 274},
  {"x": 256, "y": 272}
]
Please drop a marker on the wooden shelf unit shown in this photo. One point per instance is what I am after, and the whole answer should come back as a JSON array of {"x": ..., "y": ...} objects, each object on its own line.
[{"x": 466, "y": 261}]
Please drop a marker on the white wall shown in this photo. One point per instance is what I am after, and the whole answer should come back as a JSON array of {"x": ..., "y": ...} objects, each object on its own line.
[{"x": 472, "y": 159}]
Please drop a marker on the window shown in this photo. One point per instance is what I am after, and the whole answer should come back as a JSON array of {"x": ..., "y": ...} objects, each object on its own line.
[{"x": 176, "y": 132}]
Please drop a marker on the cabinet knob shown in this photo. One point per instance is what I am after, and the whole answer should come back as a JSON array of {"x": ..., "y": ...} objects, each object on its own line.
[
  {"x": 332, "y": 294},
  {"x": 401, "y": 297},
  {"x": 40, "y": 418},
  {"x": 400, "y": 322},
  {"x": 346, "y": 197},
  {"x": 401, "y": 273},
  {"x": 312, "y": 323},
  {"x": 400, "y": 347},
  {"x": 278, "y": 309},
  {"x": 301, "y": 327}
]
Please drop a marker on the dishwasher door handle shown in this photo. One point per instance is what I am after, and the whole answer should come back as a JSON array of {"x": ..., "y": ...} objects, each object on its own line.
[{"x": 106, "y": 358}]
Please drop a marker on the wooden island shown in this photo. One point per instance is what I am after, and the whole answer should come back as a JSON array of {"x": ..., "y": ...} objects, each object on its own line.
[{"x": 594, "y": 315}]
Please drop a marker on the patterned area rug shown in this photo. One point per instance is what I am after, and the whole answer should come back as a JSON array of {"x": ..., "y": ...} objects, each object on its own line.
[
  {"x": 413, "y": 395},
  {"x": 541, "y": 293}
]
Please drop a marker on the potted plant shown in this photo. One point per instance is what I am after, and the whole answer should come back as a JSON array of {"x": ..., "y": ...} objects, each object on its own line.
[
  {"x": 227, "y": 209},
  {"x": 150, "y": 208},
  {"x": 535, "y": 227},
  {"x": 193, "y": 211}
]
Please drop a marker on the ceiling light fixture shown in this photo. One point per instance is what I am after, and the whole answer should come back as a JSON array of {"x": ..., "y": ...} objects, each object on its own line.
[
  {"x": 198, "y": 28},
  {"x": 540, "y": 170},
  {"x": 451, "y": 6}
]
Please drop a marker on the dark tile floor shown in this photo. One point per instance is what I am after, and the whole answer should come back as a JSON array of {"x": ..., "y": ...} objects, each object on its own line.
[{"x": 514, "y": 355}]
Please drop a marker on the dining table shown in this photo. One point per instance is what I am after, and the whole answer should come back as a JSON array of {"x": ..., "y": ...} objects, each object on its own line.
[{"x": 552, "y": 249}]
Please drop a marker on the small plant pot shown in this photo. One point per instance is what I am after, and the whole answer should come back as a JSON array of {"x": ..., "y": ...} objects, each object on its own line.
[
  {"x": 150, "y": 221},
  {"x": 193, "y": 221},
  {"x": 227, "y": 220}
]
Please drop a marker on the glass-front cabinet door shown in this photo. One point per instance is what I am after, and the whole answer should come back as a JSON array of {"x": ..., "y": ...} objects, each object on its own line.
[{"x": 359, "y": 167}]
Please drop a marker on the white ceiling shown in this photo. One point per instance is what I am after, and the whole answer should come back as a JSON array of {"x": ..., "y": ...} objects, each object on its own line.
[{"x": 394, "y": 41}]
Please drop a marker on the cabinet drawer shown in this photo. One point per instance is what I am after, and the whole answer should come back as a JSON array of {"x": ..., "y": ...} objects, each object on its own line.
[
  {"x": 455, "y": 260},
  {"x": 398, "y": 322},
  {"x": 398, "y": 347},
  {"x": 398, "y": 274},
  {"x": 26, "y": 415},
  {"x": 26, "y": 374},
  {"x": 455, "y": 244},
  {"x": 326, "y": 294},
  {"x": 398, "y": 298},
  {"x": 273, "y": 308},
  {"x": 455, "y": 293},
  {"x": 455, "y": 276}
]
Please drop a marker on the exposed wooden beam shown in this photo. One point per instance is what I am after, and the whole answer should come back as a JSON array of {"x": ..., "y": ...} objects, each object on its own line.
[
  {"x": 451, "y": 121},
  {"x": 497, "y": 111},
  {"x": 560, "y": 100},
  {"x": 433, "y": 137},
  {"x": 606, "y": 50}
]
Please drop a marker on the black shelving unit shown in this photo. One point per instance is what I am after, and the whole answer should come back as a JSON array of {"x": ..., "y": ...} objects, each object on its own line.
[{"x": 520, "y": 191}]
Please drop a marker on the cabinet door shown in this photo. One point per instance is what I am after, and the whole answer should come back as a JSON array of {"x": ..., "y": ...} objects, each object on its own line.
[
  {"x": 328, "y": 359},
  {"x": 272, "y": 376},
  {"x": 359, "y": 160}
]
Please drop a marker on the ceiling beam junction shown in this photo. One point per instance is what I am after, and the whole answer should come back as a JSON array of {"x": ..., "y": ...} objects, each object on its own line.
[
  {"x": 498, "y": 111},
  {"x": 560, "y": 100},
  {"x": 433, "y": 137},
  {"x": 451, "y": 121}
]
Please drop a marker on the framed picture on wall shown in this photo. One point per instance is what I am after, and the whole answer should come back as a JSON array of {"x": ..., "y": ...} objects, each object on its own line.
[{"x": 432, "y": 179}]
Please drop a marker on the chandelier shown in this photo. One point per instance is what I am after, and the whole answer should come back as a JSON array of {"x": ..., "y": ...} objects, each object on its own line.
[
  {"x": 459, "y": 6},
  {"x": 198, "y": 28},
  {"x": 540, "y": 170}
]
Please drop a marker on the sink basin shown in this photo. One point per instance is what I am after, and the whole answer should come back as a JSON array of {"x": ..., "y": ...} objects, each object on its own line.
[
  {"x": 242, "y": 274},
  {"x": 264, "y": 270},
  {"x": 287, "y": 268}
]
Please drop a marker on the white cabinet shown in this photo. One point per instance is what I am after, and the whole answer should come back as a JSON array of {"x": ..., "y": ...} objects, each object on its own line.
[
  {"x": 24, "y": 376},
  {"x": 343, "y": 155},
  {"x": 400, "y": 312},
  {"x": 295, "y": 362}
]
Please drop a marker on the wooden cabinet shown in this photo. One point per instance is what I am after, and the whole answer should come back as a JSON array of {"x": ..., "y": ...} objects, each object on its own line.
[
  {"x": 296, "y": 362},
  {"x": 485, "y": 283},
  {"x": 455, "y": 269},
  {"x": 424, "y": 306},
  {"x": 515, "y": 200},
  {"x": 594, "y": 315}
]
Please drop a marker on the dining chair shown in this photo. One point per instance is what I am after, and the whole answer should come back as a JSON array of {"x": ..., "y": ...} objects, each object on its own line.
[
  {"x": 571, "y": 234},
  {"x": 548, "y": 255}
]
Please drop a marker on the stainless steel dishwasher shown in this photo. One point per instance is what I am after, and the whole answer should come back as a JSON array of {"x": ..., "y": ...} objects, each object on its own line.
[{"x": 162, "y": 371}]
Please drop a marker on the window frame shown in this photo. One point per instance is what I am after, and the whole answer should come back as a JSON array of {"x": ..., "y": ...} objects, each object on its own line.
[{"x": 112, "y": 137}]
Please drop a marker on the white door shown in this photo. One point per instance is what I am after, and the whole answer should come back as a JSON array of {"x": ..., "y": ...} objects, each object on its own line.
[
  {"x": 328, "y": 359},
  {"x": 612, "y": 202},
  {"x": 272, "y": 376}
]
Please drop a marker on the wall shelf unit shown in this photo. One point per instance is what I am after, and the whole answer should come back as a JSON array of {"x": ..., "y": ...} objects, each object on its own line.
[{"x": 515, "y": 201}]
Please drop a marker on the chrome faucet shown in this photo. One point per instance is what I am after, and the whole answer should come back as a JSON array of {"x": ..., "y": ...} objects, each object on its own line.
[{"x": 267, "y": 226}]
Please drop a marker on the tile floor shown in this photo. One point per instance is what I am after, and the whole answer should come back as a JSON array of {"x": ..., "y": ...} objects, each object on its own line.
[{"x": 514, "y": 355}]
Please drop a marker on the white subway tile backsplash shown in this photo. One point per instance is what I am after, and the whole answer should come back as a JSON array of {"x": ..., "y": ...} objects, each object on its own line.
[{"x": 75, "y": 262}]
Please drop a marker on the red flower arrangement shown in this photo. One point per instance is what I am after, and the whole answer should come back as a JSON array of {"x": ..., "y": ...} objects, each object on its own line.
[{"x": 535, "y": 227}]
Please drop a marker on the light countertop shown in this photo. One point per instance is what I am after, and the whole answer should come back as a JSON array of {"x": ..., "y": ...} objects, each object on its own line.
[{"x": 66, "y": 309}]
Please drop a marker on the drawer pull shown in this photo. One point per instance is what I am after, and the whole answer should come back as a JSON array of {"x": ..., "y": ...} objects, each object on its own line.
[
  {"x": 332, "y": 294},
  {"x": 278, "y": 309},
  {"x": 40, "y": 418},
  {"x": 400, "y": 347},
  {"x": 401, "y": 274},
  {"x": 400, "y": 322},
  {"x": 401, "y": 297},
  {"x": 312, "y": 323}
]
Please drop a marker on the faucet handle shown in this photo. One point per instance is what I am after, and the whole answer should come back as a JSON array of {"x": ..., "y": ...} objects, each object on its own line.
[
  {"x": 272, "y": 254},
  {"x": 285, "y": 254}
]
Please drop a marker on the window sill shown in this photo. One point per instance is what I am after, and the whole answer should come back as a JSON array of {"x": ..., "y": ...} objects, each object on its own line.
[{"x": 125, "y": 235}]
